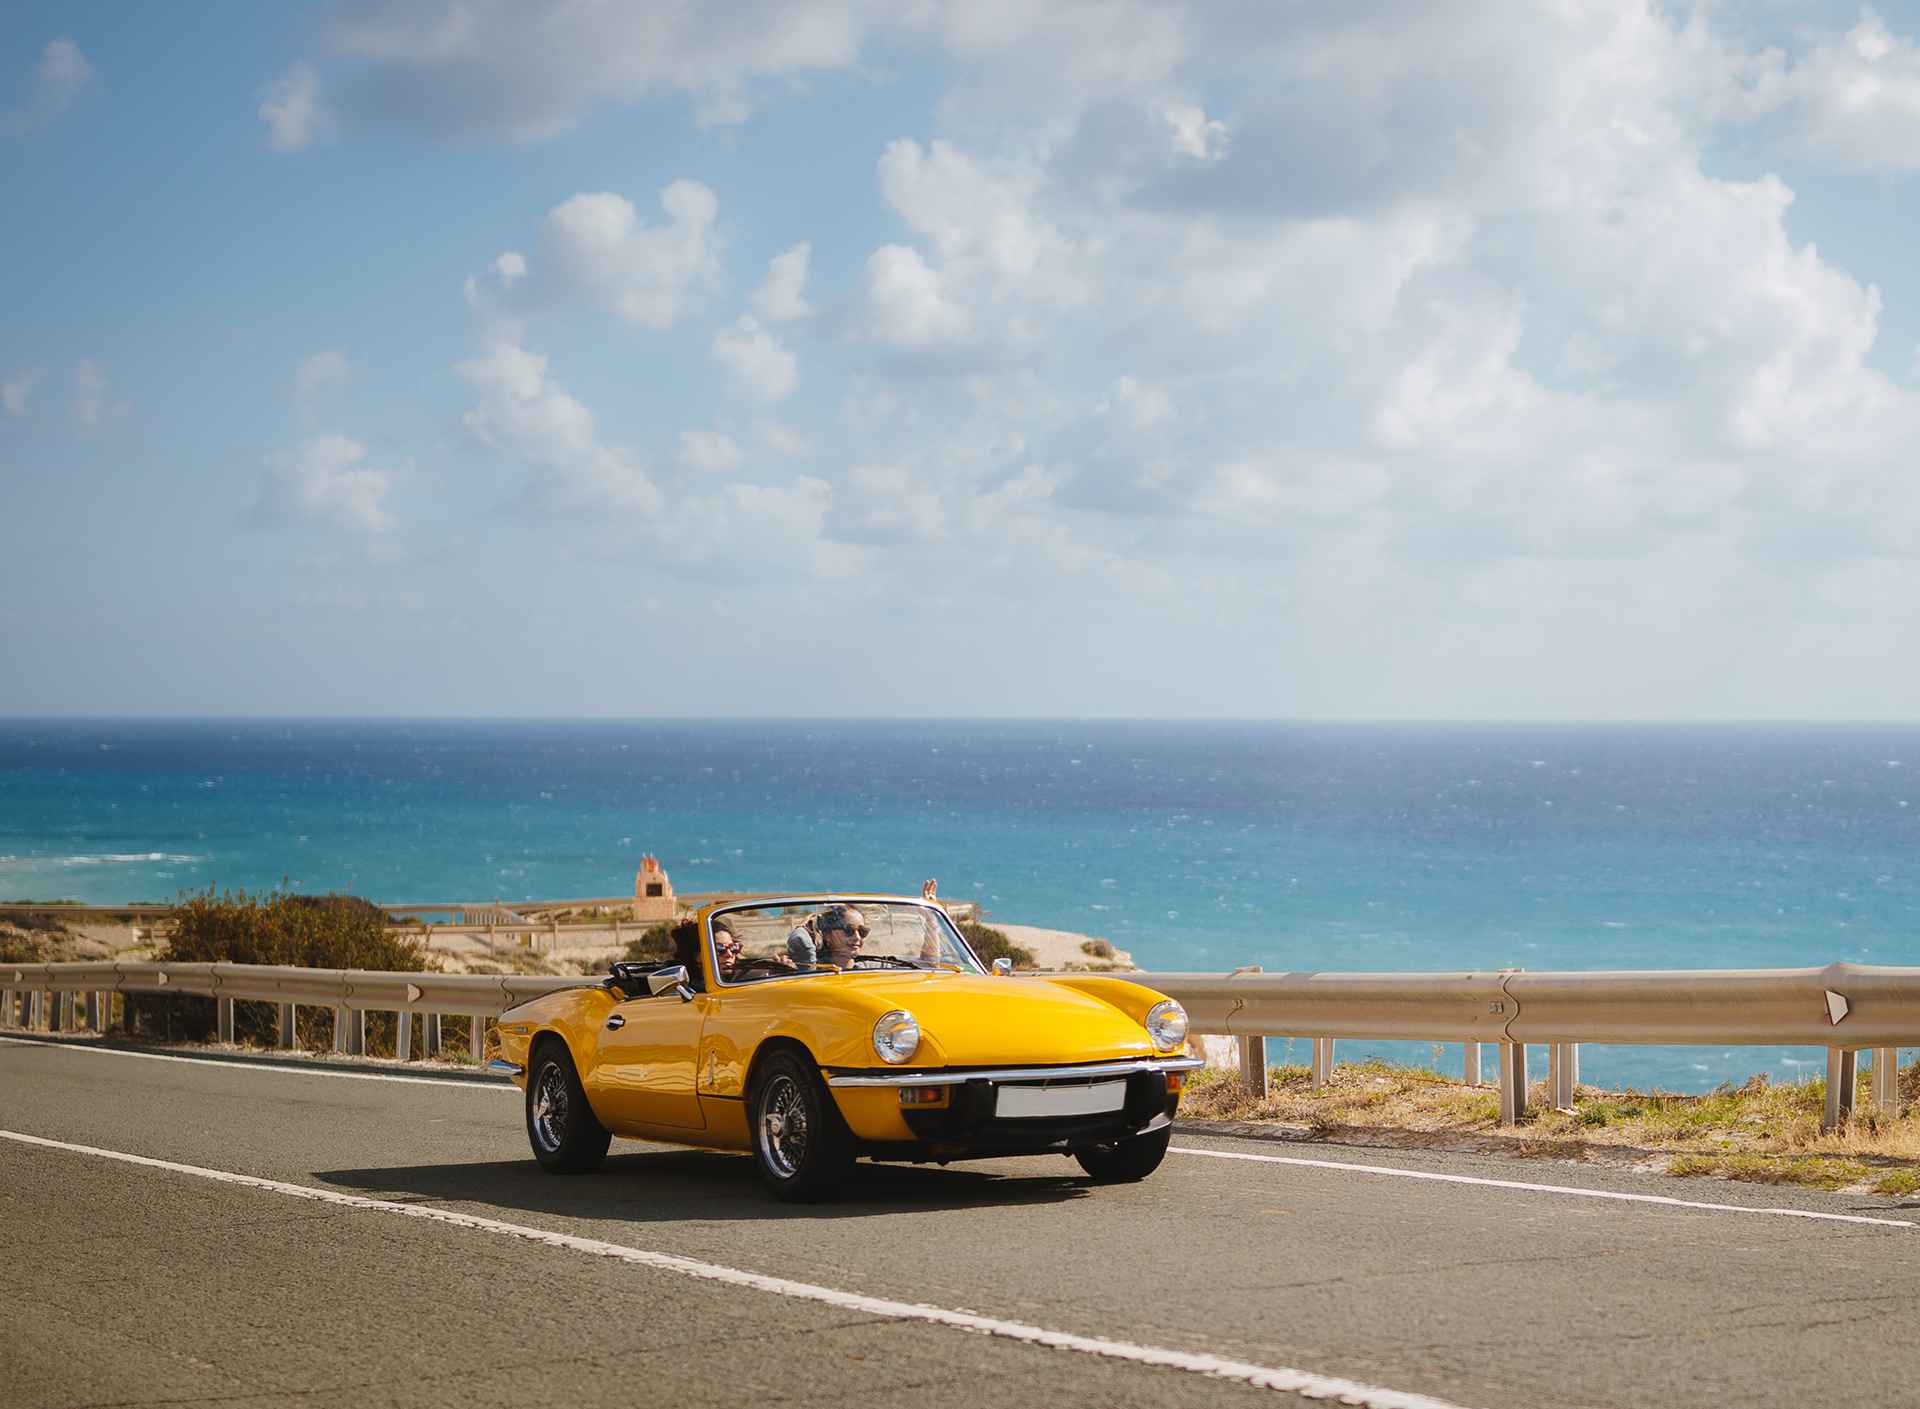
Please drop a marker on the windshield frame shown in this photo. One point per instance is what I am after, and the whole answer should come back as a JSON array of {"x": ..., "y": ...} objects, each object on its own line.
[{"x": 812, "y": 903}]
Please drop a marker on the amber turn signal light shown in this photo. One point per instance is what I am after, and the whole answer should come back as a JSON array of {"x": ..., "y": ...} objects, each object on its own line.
[{"x": 923, "y": 1095}]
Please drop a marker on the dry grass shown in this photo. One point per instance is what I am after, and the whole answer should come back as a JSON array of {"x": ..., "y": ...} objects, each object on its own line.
[{"x": 1759, "y": 1132}]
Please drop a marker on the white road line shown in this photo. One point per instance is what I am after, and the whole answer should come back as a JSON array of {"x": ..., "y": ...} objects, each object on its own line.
[
  {"x": 267, "y": 1064},
  {"x": 1541, "y": 1188},
  {"x": 1298, "y": 1382}
]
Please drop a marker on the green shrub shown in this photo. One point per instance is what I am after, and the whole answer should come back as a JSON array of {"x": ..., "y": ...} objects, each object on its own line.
[
  {"x": 991, "y": 944},
  {"x": 270, "y": 927}
]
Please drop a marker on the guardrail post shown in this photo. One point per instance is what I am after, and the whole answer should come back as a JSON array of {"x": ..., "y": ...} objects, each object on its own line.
[
  {"x": 6, "y": 1007},
  {"x": 403, "y": 1036},
  {"x": 356, "y": 1032},
  {"x": 477, "y": 1035},
  {"x": 98, "y": 1006},
  {"x": 1253, "y": 1066},
  {"x": 1322, "y": 1061},
  {"x": 289, "y": 1036},
  {"x": 223, "y": 1010},
  {"x": 1840, "y": 1071},
  {"x": 430, "y": 1036},
  {"x": 1886, "y": 1080},
  {"x": 1513, "y": 1082},
  {"x": 1563, "y": 1073}
]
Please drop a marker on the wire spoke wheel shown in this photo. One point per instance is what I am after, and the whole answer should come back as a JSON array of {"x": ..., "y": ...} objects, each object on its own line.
[
  {"x": 783, "y": 1125},
  {"x": 566, "y": 1136},
  {"x": 549, "y": 1118},
  {"x": 800, "y": 1142}
]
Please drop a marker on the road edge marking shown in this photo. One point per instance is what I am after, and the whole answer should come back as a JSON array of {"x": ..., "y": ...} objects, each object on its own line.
[
  {"x": 1300, "y": 1382},
  {"x": 1541, "y": 1188},
  {"x": 266, "y": 1064}
]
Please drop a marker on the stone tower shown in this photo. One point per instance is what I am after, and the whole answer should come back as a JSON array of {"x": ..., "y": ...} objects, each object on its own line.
[{"x": 652, "y": 892}]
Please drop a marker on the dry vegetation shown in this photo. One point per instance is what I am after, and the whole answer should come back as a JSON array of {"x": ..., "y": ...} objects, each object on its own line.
[{"x": 1760, "y": 1132}]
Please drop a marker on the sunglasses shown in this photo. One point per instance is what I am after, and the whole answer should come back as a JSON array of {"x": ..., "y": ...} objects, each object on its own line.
[
  {"x": 856, "y": 931},
  {"x": 731, "y": 946}
]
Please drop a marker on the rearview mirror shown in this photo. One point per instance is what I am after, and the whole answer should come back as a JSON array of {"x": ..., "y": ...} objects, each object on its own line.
[
  {"x": 1002, "y": 967},
  {"x": 667, "y": 980}
]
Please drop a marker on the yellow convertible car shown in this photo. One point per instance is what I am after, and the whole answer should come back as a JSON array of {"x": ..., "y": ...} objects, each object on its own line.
[{"x": 813, "y": 1030}]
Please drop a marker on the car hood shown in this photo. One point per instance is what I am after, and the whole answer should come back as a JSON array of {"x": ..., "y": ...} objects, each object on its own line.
[{"x": 968, "y": 1020}]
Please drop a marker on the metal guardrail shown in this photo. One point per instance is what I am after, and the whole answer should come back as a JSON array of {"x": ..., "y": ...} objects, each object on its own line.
[{"x": 1846, "y": 1008}]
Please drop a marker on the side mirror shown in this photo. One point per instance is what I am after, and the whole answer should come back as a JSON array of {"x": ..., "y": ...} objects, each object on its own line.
[
  {"x": 1002, "y": 967},
  {"x": 670, "y": 981}
]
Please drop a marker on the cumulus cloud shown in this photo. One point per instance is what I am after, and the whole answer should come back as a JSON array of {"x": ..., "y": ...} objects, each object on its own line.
[
  {"x": 710, "y": 452},
  {"x": 322, "y": 481},
  {"x": 1852, "y": 101},
  {"x": 778, "y": 298},
  {"x": 15, "y": 393},
  {"x": 319, "y": 376},
  {"x": 294, "y": 107},
  {"x": 522, "y": 71},
  {"x": 595, "y": 251},
  {"x": 522, "y": 410},
  {"x": 94, "y": 410},
  {"x": 753, "y": 359},
  {"x": 56, "y": 81}
]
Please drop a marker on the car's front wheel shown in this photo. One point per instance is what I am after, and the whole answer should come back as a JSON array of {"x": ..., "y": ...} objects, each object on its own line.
[
  {"x": 1125, "y": 1161},
  {"x": 566, "y": 1136},
  {"x": 802, "y": 1145}
]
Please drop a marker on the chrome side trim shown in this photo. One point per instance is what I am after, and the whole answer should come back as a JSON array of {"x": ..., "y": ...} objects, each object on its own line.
[
  {"x": 508, "y": 1067},
  {"x": 961, "y": 1078}
]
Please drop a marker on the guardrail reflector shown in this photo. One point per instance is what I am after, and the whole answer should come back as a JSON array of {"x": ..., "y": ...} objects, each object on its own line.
[{"x": 1836, "y": 1007}]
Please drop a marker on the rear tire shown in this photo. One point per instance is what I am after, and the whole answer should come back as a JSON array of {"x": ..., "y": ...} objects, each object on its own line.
[
  {"x": 800, "y": 1141},
  {"x": 1125, "y": 1161},
  {"x": 566, "y": 1136}
]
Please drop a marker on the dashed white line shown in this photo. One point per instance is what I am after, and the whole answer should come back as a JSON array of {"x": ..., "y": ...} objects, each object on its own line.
[
  {"x": 1541, "y": 1188},
  {"x": 1300, "y": 1382},
  {"x": 269, "y": 1065}
]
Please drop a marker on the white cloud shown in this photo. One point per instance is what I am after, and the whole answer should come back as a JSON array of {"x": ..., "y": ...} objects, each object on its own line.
[
  {"x": 523, "y": 411},
  {"x": 319, "y": 375},
  {"x": 524, "y": 71},
  {"x": 322, "y": 481},
  {"x": 778, "y": 297},
  {"x": 596, "y": 252},
  {"x": 93, "y": 411},
  {"x": 295, "y": 109},
  {"x": 1855, "y": 99},
  {"x": 709, "y": 452},
  {"x": 755, "y": 361},
  {"x": 907, "y": 303},
  {"x": 57, "y": 80},
  {"x": 15, "y": 392}
]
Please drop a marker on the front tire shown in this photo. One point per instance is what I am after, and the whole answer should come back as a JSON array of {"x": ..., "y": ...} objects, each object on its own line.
[
  {"x": 800, "y": 1141},
  {"x": 566, "y": 1136},
  {"x": 1125, "y": 1161}
]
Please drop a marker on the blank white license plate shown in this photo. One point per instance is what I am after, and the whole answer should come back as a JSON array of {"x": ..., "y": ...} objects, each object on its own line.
[{"x": 1017, "y": 1101}]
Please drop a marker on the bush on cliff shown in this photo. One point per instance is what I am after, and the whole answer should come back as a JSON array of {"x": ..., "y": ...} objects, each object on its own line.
[{"x": 269, "y": 927}]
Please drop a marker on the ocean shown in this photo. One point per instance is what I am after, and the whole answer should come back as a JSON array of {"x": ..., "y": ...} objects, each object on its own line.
[{"x": 1298, "y": 847}]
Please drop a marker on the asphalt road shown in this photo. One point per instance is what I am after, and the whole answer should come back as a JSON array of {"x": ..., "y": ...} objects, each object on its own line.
[{"x": 128, "y": 1284}]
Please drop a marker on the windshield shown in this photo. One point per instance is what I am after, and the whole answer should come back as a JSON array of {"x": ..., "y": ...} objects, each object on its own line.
[{"x": 756, "y": 942}]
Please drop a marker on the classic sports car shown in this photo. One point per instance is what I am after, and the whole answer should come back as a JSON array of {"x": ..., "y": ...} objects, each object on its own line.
[{"x": 813, "y": 1030}]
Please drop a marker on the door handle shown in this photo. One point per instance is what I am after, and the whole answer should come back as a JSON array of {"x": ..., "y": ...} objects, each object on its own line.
[{"x": 616, "y": 1021}]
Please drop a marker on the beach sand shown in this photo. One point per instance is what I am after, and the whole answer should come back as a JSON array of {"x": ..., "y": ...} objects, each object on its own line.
[{"x": 1061, "y": 949}]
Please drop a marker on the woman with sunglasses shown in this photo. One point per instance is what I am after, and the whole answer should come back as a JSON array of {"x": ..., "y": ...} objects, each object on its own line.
[{"x": 843, "y": 930}]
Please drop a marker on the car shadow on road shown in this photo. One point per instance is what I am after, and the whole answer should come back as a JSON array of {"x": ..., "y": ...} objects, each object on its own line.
[{"x": 662, "y": 1185}]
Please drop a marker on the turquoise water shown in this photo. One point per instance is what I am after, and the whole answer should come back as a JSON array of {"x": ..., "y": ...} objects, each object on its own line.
[{"x": 1194, "y": 846}]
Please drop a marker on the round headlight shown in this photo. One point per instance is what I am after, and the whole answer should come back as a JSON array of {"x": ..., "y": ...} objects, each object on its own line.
[
  {"x": 1166, "y": 1025},
  {"x": 896, "y": 1037}
]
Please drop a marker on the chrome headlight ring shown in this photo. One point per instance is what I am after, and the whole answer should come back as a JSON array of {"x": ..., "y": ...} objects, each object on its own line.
[
  {"x": 896, "y": 1037},
  {"x": 1166, "y": 1024}
]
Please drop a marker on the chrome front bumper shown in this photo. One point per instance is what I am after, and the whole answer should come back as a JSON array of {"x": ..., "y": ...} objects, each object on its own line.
[{"x": 961, "y": 1078}]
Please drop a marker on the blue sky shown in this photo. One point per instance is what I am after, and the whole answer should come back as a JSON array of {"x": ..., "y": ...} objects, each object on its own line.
[{"x": 829, "y": 358}]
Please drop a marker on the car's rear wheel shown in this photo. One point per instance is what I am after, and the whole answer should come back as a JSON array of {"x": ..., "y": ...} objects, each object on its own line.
[
  {"x": 566, "y": 1136},
  {"x": 1125, "y": 1161},
  {"x": 800, "y": 1141}
]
